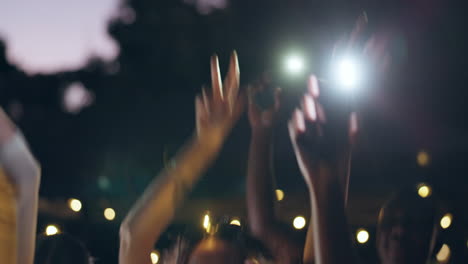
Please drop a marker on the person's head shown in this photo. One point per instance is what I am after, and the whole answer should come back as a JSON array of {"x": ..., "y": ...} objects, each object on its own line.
[
  {"x": 215, "y": 250},
  {"x": 59, "y": 249},
  {"x": 406, "y": 229},
  {"x": 228, "y": 244}
]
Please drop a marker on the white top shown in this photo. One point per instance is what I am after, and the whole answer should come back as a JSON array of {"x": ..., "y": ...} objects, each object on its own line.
[{"x": 20, "y": 179}]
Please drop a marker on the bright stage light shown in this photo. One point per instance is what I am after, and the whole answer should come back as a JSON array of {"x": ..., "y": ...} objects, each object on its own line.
[
  {"x": 348, "y": 73},
  {"x": 294, "y": 64}
]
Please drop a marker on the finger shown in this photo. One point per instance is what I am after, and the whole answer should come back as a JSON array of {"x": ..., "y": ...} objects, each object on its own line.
[
  {"x": 292, "y": 130},
  {"x": 200, "y": 109},
  {"x": 338, "y": 47},
  {"x": 232, "y": 79},
  {"x": 321, "y": 116},
  {"x": 359, "y": 27},
  {"x": 216, "y": 79},
  {"x": 298, "y": 121},
  {"x": 313, "y": 86},
  {"x": 353, "y": 128},
  {"x": 251, "y": 94},
  {"x": 308, "y": 106},
  {"x": 239, "y": 105},
  {"x": 206, "y": 99},
  {"x": 277, "y": 99}
]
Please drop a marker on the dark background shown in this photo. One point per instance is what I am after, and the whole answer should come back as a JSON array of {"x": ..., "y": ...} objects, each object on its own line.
[{"x": 143, "y": 110}]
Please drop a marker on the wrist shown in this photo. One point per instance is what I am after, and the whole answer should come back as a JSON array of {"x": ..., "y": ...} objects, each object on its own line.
[
  {"x": 323, "y": 180},
  {"x": 262, "y": 132},
  {"x": 207, "y": 144}
]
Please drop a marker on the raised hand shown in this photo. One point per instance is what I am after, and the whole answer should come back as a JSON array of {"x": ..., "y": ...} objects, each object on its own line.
[
  {"x": 317, "y": 146},
  {"x": 262, "y": 120},
  {"x": 217, "y": 111}
]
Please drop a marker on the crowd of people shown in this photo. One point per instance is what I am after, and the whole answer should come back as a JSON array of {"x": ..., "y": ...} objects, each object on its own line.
[
  {"x": 406, "y": 227},
  {"x": 322, "y": 142}
]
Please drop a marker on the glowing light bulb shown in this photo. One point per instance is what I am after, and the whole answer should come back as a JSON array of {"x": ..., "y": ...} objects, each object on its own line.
[
  {"x": 109, "y": 214},
  {"x": 52, "y": 230},
  {"x": 75, "y": 205},
  {"x": 362, "y": 236},
  {"x": 299, "y": 222}
]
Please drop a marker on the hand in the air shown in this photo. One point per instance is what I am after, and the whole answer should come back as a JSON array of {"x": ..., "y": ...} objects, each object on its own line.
[
  {"x": 260, "y": 119},
  {"x": 218, "y": 111},
  {"x": 321, "y": 145}
]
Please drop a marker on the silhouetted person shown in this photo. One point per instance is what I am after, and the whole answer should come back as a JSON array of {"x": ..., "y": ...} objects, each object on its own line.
[
  {"x": 407, "y": 229},
  {"x": 19, "y": 191},
  {"x": 216, "y": 114},
  {"x": 61, "y": 249}
]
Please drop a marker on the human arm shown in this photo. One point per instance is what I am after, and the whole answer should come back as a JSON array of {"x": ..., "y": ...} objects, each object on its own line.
[
  {"x": 323, "y": 157},
  {"x": 260, "y": 181},
  {"x": 216, "y": 114},
  {"x": 23, "y": 171}
]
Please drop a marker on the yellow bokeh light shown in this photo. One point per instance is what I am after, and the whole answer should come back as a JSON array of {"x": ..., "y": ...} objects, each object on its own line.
[
  {"x": 444, "y": 253},
  {"x": 154, "y": 256},
  {"x": 423, "y": 158},
  {"x": 52, "y": 230},
  {"x": 235, "y": 222},
  {"x": 424, "y": 190},
  {"x": 109, "y": 214},
  {"x": 362, "y": 236},
  {"x": 299, "y": 222},
  {"x": 207, "y": 223},
  {"x": 279, "y": 194},
  {"x": 75, "y": 204},
  {"x": 446, "y": 221}
]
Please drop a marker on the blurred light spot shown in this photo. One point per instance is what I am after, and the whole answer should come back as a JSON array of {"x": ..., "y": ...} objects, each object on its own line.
[
  {"x": 103, "y": 182},
  {"x": 235, "y": 221},
  {"x": 76, "y": 97},
  {"x": 294, "y": 64},
  {"x": 15, "y": 109},
  {"x": 205, "y": 7},
  {"x": 424, "y": 190},
  {"x": 206, "y": 223},
  {"x": 279, "y": 194},
  {"x": 74, "y": 204},
  {"x": 446, "y": 221},
  {"x": 52, "y": 230},
  {"x": 444, "y": 253},
  {"x": 154, "y": 256},
  {"x": 299, "y": 222},
  {"x": 362, "y": 236},
  {"x": 109, "y": 214},
  {"x": 423, "y": 158},
  {"x": 348, "y": 73}
]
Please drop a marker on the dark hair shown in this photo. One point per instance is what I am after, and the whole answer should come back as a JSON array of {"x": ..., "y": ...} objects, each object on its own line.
[
  {"x": 60, "y": 249},
  {"x": 420, "y": 213},
  {"x": 184, "y": 244}
]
